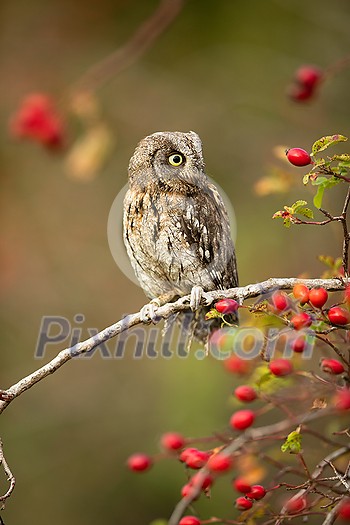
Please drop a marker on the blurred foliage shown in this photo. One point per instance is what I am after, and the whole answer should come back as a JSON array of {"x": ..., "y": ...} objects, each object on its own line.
[{"x": 222, "y": 70}]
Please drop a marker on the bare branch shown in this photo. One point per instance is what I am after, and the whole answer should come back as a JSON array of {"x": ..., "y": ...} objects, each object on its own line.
[{"x": 163, "y": 312}]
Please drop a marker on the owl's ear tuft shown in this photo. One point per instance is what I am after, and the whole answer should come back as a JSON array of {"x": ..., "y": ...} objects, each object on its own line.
[{"x": 196, "y": 141}]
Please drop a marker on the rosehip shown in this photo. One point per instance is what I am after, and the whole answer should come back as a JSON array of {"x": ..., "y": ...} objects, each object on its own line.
[
  {"x": 197, "y": 459},
  {"x": 38, "y": 120},
  {"x": 332, "y": 366},
  {"x": 295, "y": 505},
  {"x": 318, "y": 297},
  {"x": 281, "y": 367},
  {"x": 139, "y": 462},
  {"x": 241, "y": 486},
  {"x": 237, "y": 365},
  {"x": 298, "y": 92},
  {"x": 172, "y": 441},
  {"x": 301, "y": 320},
  {"x": 344, "y": 509},
  {"x": 342, "y": 399},
  {"x": 301, "y": 292},
  {"x": 257, "y": 492},
  {"x": 242, "y": 419},
  {"x": 219, "y": 462},
  {"x": 227, "y": 306},
  {"x": 204, "y": 481},
  {"x": 280, "y": 301},
  {"x": 243, "y": 503},
  {"x": 308, "y": 76},
  {"x": 186, "y": 453},
  {"x": 298, "y": 157},
  {"x": 245, "y": 393},
  {"x": 338, "y": 316},
  {"x": 189, "y": 520},
  {"x": 299, "y": 344},
  {"x": 189, "y": 490}
]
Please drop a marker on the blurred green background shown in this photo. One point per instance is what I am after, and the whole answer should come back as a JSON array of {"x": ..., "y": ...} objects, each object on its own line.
[{"x": 222, "y": 70}]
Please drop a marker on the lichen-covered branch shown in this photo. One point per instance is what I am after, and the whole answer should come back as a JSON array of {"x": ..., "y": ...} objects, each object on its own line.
[{"x": 163, "y": 312}]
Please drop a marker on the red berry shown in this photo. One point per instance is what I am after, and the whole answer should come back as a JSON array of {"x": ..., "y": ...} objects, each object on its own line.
[
  {"x": 245, "y": 393},
  {"x": 139, "y": 462},
  {"x": 308, "y": 76},
  {"x": 189, "y": 520},
  {"x": 300, "y": 93},
  {"x": 332, "y": 366},
  {"x": 37, "y": 119},
  {"x": 242, "y": 419},
  {"x": 298, "y": 157},
  {"x": 281, "y": 367},
  {"x": 301, "y": 320},
  {"x": 295, "y": 505},
  {"x": 237, "y": 365},
  {"x": 219, "y": 462},
  {"x": 256, "y": 492},
  {"x": 342, "y": 399},
  {"x": 338, "y": 316},
  {"x": 227, "y": 306},
  {"x": 186, "y": 452},
  {"x": 241, "y": 486},
  {"x": 280, "y": 301},
  {"x": 318, "y": 297},
  {"x": 197, "y": 459},
  {"x": 301, "y": 292},
  {"x": 344, "y": 509},
  {"x": 299, "y": 344},
  {"x": 243, "y": 503},
  {"x": 172, "y": 441},
  {"x": 189, "y": 491},
  {"x": 204, "y": 481}
]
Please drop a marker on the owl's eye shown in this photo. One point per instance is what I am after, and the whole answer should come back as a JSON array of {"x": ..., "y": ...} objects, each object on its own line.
[{"x": 176, "y": 159}]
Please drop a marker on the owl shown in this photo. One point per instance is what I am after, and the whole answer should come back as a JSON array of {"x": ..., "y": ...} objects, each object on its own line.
[{"x": 176, "y": 227}]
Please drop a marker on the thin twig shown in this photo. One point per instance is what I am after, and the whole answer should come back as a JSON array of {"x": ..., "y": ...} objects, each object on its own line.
[
  {"x": 135, "y": 47},
  {"x": 10, "y": 476}
]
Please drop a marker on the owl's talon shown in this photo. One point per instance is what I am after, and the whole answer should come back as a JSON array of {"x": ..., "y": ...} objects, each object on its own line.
[
  {"x": 148, "y": 313},
  {"x": 196, "y": 297}
]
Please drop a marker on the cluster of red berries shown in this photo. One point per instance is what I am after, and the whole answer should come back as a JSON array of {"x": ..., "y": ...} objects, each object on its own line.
[
  {"x": 306, "y": 81},
  {"x": 37, "y": 119}
]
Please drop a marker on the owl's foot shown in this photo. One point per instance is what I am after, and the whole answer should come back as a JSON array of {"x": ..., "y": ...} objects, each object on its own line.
[
  {"x": 148, "y": 313},
  {"x": 197, "y": 293}
]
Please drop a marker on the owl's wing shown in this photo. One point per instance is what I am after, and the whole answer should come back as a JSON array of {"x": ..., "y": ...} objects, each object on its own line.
[{"x": 207, "y": 229}]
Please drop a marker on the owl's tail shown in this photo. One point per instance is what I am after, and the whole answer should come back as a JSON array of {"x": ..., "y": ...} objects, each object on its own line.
[{"x": 194, "y": 326}]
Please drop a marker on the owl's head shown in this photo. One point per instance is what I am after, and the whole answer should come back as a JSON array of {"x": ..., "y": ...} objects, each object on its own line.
[{"x": 169, "y": 156}]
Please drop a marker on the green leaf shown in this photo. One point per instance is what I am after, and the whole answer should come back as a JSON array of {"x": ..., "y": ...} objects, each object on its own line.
[
  {"x": 324, "y": 142},
  {"x": 344, "y": 157},
  {"x": 319, "y": 180},
  {"x": 306, "y": 212},
  {"x": 306, "y": 178},
  {"x": 297, "y": 205},
  {"x": 319, "y": 196},
  {"x": 159, "y": 522},
  {"x": 293, "y": 442}
]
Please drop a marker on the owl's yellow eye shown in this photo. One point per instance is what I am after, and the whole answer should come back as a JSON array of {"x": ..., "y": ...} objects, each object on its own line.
[{"x": 176, "y": 159}]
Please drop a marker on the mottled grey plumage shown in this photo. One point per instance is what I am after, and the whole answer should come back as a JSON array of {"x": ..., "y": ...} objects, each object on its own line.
[{"x": 176, "y": 228}]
